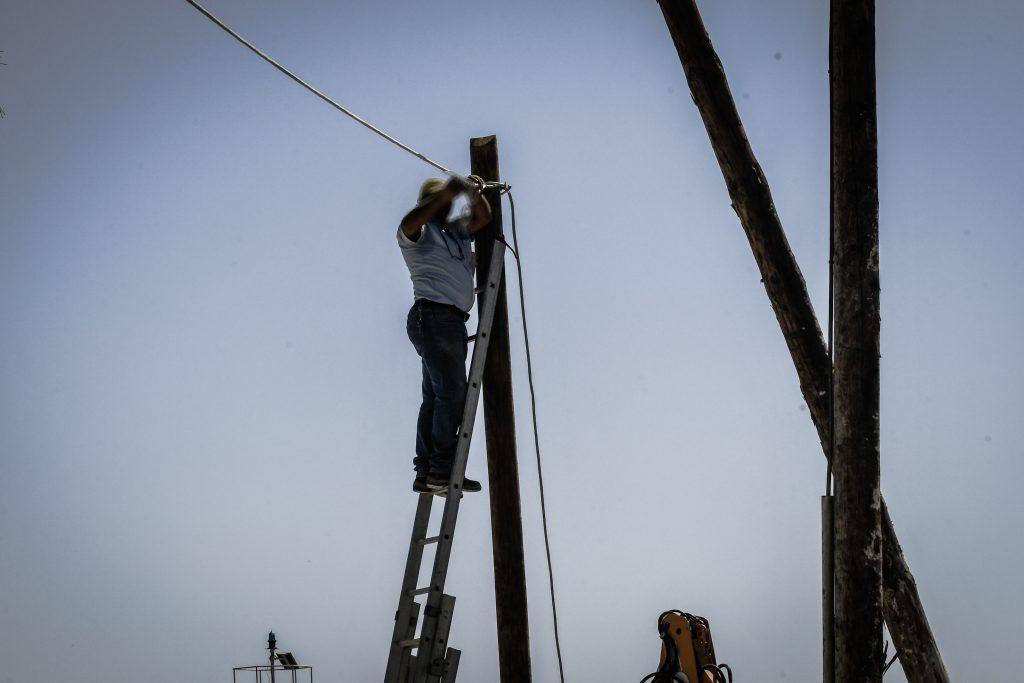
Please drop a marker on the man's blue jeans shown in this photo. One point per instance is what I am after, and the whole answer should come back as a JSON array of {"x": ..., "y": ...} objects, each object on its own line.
[{"x": 439, "y": 334}]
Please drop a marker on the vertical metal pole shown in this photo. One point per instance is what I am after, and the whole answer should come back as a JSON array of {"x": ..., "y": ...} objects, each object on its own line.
[{"x": 272, "y": 646}]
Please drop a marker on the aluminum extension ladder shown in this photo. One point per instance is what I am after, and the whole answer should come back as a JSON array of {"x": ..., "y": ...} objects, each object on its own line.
[{"x": 434, "y": 661}]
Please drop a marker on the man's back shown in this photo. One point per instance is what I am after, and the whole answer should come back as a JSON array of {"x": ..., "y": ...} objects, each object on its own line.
[{"x": 440, "y": 263}]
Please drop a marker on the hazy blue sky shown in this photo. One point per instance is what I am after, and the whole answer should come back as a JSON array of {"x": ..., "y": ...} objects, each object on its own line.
[{"x": 206, "y": 423}]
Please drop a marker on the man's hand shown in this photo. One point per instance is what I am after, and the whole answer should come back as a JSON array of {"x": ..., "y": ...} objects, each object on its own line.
[
  {"x": 457, "y": 185},
  {"x": 479, "y": 184},
  {"x": 479, "y": 207}
]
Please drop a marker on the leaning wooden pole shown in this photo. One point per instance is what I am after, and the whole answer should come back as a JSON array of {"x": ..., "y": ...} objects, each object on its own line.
[
  {"x": 856, "y": 462},
  {"x": 787, "y": 292},
  {"x": 502, "y": 465}
]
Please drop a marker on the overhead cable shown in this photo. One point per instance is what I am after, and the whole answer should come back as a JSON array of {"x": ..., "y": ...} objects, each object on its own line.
[{"x": 347, "y": 112}]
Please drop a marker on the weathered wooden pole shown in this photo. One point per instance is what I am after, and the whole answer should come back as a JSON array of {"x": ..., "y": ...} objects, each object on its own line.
[
  {"x": 752, "y": 201},
  {"x": 856, "y": 462},
  {"x": 502, "y": 464},
  {"x": 787, "y": 292}
]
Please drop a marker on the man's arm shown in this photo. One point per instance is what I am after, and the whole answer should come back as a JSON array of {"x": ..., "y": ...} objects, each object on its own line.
[
  {"x": 414, "y": 220},
  {"x": 424, "y": 212}
]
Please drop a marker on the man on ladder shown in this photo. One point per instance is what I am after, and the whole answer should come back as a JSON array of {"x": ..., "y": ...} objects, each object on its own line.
[{"x": 439, "y": 255}]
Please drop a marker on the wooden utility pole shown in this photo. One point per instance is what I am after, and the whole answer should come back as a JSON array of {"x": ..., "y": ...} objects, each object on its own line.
[
  {"x": 502, "y": 465},
  {"x": 855, "y": 463},
  {"x": 787, "y": 292}
]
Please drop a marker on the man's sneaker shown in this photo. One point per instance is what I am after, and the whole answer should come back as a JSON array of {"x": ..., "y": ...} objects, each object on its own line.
[
  {"x": 419, "y": 485},
  {"x": 439, "y": 482}
]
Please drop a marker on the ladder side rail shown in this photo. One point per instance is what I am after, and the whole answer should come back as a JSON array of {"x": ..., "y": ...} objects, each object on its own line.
[
  {"x": 451, "y": 665},
  {"x": 429, "y": 649},
  {"x": 436, "y": 665},
  {"x": 405, "y": 598},
  {"x": 405, "y": 657}
]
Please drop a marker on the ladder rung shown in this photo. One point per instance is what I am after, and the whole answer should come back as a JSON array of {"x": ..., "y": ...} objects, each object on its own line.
[
  {"x": 406, "y": 644},
  {"x": 419, "y": 591},
  {"x": 428, "y": 541}
]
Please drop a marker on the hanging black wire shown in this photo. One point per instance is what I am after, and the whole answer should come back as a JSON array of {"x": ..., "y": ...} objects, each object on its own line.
[{"x": 514, "y": 249}]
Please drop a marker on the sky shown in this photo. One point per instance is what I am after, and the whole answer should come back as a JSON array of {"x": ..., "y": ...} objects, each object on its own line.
[{"x": 208, "y": 398}]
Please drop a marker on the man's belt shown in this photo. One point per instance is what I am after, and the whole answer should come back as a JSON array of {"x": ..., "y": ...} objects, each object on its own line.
[{"x": 427, "y": 303}]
